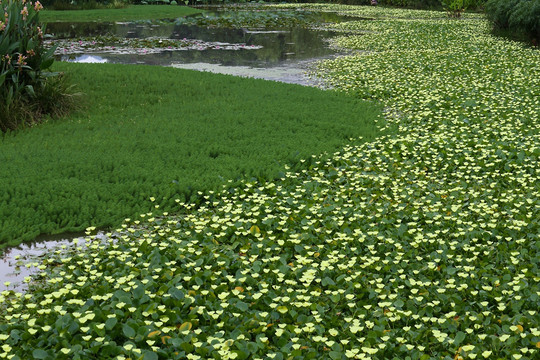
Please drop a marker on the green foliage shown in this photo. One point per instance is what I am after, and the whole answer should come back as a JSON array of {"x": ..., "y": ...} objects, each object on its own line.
[
  {"x": 253, "y": 19},
  {"x": 23, "y": 65},
  {"x": 454, "y": 8},
  {"x": 521, "y": 16},
  {"x": 132, "y": 12},
  {"x": 166, "y": 133},
  {"x": 84, "y": 4},
  {"x": 420, "y": 245}
]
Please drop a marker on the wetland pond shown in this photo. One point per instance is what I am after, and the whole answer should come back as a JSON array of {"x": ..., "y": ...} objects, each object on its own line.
[
  {"x": 281, "y": 50},
  {"x": 214, "y": 41}
]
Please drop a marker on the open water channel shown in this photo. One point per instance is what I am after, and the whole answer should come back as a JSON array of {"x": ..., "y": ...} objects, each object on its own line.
[{"x": 279, "y": 54}]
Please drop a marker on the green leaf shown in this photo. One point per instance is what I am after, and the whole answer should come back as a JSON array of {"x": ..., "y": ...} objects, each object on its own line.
[
  {"x": 110, "y": 323},
  {"x": 185, "y": 326},
  {"x": 40, "y": 354},
  {"x": 327, "y": 281},
  {"x": 176, "y": 294},
  {"x": 399, "y": 303},
  {"x": 138, "y": 292},
  {"x": 242, "y": 305},
  {"x": 149, "y": 355},
  {"x": 128, "y": 331},
  {"x": 460, "y": 336},
  {"x": 335, "y": 355}
]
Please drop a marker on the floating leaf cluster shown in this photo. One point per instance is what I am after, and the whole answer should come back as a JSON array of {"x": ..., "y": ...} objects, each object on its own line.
[
  {"x": 113, "y": 44},
  {"x": 264, "y": 19},
  {"x": 422, "y": 245}
]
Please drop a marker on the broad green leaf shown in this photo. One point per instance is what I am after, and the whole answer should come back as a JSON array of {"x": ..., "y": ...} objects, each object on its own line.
[
  {"x": 128, "y": 331},
  {"x": 39, "y": 354},
  {"x": 460, "y": 336}
]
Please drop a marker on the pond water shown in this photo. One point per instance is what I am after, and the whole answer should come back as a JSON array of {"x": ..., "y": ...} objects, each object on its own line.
[
  {"x": 241, "y": 51},
  {"x": 279, "y": 54},
  {"x": 25, "y": 260}
]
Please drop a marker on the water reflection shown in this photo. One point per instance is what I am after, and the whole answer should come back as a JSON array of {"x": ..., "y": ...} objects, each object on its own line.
[
  {"x": 90, "y": 59},
  {"x": 24, "y": 260},
  {"x": 252, "y": 48},
  {"x": 189, "y": 45}
]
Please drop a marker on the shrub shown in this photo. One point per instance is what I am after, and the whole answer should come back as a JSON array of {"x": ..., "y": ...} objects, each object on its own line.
[
  {"x": 515, "y": 16},
  {"x": 24, "y": 79}
]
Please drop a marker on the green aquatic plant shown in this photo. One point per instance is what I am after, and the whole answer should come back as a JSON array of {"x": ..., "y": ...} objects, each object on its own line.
[
  {"x": 266, "y": 19},
  {"x": 162, "y": 132},
  {"x": 421, "y": 244}
]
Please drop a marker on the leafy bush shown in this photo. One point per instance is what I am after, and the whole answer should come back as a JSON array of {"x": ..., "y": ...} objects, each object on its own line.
[
  {"x": 515, "y": 16},
  {"x": 23, "y": 67}
]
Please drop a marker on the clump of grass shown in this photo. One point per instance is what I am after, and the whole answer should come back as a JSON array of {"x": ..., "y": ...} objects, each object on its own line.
[{"x": 56, "y": 97}]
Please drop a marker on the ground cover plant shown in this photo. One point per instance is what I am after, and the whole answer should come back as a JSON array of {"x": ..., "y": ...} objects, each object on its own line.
[
  {"x": 420, "y": 245},
  {"x": 161, "y": 132},
  {"x": 130, "y": 13}
]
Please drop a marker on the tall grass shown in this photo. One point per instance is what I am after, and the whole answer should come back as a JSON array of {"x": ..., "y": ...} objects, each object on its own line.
[{"x": 164, "y": 133}]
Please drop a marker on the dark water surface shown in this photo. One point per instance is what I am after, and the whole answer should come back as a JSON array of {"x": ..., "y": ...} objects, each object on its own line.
[{"x": 289, "y": 50}]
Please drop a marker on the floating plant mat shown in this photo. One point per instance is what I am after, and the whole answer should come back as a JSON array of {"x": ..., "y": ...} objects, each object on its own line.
[{"x": 120, "y": 46}]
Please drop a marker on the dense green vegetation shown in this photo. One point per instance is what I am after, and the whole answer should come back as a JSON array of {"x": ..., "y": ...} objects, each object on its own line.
[
  {"x": 28, "y": 91},
  {"x": 161, "y": 132},
  {"x": 515, "y": 17},
  {"x": 253, "y": 19},
  {"x": 421, "y": 245},
  {"x": 133, "y": 12}
]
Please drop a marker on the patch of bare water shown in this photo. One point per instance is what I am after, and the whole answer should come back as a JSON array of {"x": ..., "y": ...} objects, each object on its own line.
[{"x": 19, "y": 264}]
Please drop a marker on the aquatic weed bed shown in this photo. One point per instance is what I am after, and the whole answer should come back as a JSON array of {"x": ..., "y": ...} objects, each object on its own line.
[
  {"x": 151, "y": 45},
  {"x": 421, "y": 245},
  {"x": 162, "y": 132}
]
